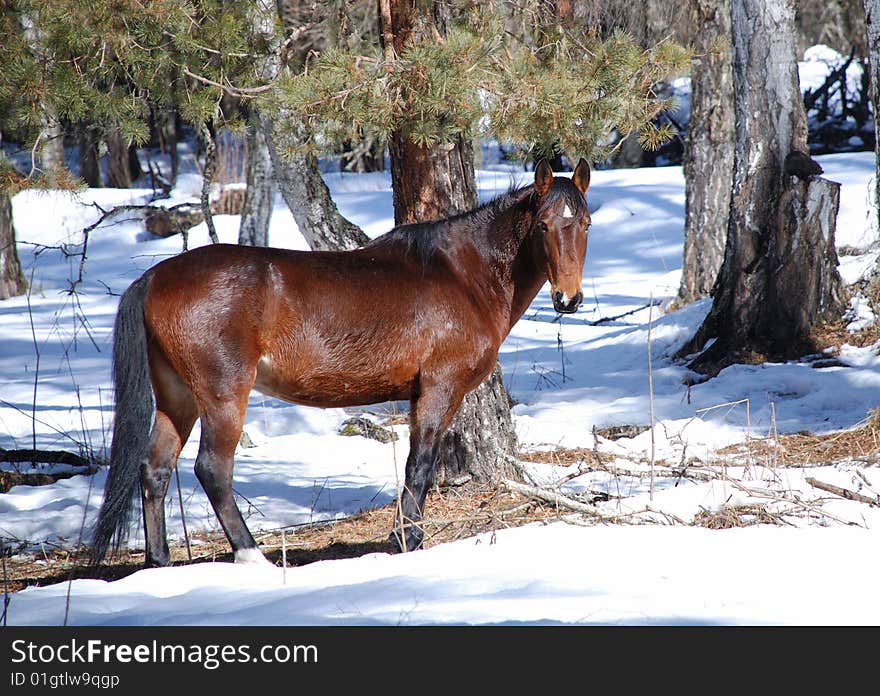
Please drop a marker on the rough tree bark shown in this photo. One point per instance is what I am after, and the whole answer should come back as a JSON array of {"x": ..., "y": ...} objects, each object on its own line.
[
  {"x": 300, "y": 182},
  {"x": 708, "y": 152},
  {"x": 431, "y": 183},
  {"x": 51, "y": 136},
  {"x": 89, "y": 158},
  {"x": 12, "y": 282},
  {"x": 779, "y": 275},
  {"x": 256, "y": 211},
  {"x": 296, "y": 173},
  {"x": 119, "y": 174},
  {"x": 872, "y": 20}
]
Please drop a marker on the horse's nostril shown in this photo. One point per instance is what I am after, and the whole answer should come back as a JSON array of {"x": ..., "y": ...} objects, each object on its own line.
[
  {"x": 578, "y": 298},
  {"x": 558, "y": 297}
]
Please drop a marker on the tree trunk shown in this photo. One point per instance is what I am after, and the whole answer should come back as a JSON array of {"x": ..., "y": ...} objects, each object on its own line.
[
  {"x": 779, "y": 276},
  {"x": 118, "y": 171},
  {"x": 303, "y": 189},
  {"x": 51, "y": 136},
  {"x": 872, "y": 19},
  {"x": 12, "y": 280},
  {"x": 296, "y": 173},
  {"x": 52, "y": 157},
  {"x": 89, "y": 157},
  {"x": 432, "y": 183},
  {"x": 256, "y": 210},
  {"x": 708, "y": 152}
]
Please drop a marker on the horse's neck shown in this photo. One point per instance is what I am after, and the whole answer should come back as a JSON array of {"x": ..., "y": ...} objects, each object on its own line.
[{"x": 511, "y": 264}]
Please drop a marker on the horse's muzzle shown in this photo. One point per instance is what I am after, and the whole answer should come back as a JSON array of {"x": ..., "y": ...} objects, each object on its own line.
[{"x": 563, "y": 305}]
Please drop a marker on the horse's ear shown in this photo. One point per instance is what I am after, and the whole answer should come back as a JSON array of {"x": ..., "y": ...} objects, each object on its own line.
[
  {"x": 581, "y": 176},
  {"x": 543, "y": 178}
]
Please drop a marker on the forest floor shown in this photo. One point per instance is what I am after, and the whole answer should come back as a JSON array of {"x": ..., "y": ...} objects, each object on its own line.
[{"x": 467, "y": 511}]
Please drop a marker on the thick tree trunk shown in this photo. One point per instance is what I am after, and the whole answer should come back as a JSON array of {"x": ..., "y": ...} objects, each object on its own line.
[
  {"x": 872, "y": 18},
  {"x": 432, "y": 183},
  {"x": 256, "y": 211},
  {"x": 708, "y": 152},
  {"x": 12, "y": 280},
  {"x": 779, "y": 276}
]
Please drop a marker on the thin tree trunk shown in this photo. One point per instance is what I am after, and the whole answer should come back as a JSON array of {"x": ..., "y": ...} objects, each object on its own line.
[
  {"x": 256, "y": 211},
  {"x": 708, "y": 152},
  {"x": 12, "y": 280},
  {"x": 779, "y": 276},
  {"x": 210, "y": 169},
  {"x": 872, "y": 18},
  {"x": 51, "y": 136},
  {"x": 52, "y": 157}
]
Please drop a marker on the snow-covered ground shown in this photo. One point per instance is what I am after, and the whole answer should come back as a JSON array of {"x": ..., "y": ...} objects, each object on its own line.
[{"x": 567, "y": 376}]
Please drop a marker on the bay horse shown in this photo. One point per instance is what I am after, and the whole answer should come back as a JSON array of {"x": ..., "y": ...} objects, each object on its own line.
[{"x": 418, "y": 313}]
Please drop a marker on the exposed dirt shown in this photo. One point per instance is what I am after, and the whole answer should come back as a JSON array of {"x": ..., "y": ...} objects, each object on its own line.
[{"x": 452, "y": 514}]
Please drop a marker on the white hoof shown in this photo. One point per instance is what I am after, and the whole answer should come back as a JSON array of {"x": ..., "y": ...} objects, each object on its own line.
[{"x": 251, "y": 556}]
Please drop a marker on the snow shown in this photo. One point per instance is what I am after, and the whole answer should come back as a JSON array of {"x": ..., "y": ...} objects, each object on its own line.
[{"x": 653, "y": 567}]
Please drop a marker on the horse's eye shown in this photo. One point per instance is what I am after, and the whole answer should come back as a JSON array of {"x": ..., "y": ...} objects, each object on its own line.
[{"x": 542, "y": 226}]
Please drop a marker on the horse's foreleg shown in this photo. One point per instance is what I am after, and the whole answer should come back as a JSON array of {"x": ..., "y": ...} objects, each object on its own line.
[
  {"x": 221, "y": 430},
  {"x": 430, "y": 416},
  {"x": 167, "y": 440}
]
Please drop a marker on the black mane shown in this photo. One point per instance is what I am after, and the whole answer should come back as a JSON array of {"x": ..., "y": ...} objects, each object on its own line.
[{"x": 422, "y": 239}]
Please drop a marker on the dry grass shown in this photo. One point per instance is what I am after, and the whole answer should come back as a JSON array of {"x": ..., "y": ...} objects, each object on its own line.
[
  {"x": 730, "y": 516},
  {"x": 808, "y": 450},
  {"x": 563, "y": 456}
]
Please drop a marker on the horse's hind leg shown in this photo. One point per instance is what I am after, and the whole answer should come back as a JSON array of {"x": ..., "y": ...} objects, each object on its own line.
[
  {"x": 221, "y": 429},
  {"x": 175, "y": 415}
]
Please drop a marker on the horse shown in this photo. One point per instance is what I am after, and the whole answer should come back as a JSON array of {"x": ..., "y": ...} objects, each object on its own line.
[{"x": 419, "y": 313}]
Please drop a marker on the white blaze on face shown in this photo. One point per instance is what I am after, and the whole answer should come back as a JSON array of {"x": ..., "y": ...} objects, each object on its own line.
[
  {"x": 565, "y": 298},
  {"x": 566, "y": 213}
]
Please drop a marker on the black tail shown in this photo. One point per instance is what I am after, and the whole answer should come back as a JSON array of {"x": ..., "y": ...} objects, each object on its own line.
[{"x": 132, "y": 421}]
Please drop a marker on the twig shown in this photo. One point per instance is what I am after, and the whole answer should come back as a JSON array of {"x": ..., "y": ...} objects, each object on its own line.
[
  {"x": 36, "y": 367},
  {"x": 189, "y": 554},
  {"x": 231, "y": 90},
  {"x": 651, "y": 395},
  {"x": 602, "y": 320},
  {"x": 843, "y": 492}
]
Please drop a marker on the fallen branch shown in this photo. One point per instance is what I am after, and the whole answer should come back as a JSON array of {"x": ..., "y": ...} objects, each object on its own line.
[
  {"x": 549, "y": 496},
  {"x": 43, "y": 456},
  {"x": 843, "y": 492}
]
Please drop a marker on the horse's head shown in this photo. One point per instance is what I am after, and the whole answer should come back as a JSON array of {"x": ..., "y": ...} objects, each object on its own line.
[{"x": 562, "y": 223}]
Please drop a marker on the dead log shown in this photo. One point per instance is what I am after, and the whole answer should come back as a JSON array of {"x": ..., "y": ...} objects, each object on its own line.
[{"x": 165, "y": 222}]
